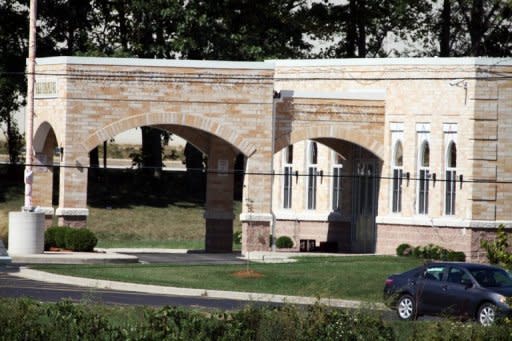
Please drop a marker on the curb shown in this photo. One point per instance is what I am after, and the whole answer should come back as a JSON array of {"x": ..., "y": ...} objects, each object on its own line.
[
  {"x": 164, "y": 290},
  {"x": 73, "y": 258}
]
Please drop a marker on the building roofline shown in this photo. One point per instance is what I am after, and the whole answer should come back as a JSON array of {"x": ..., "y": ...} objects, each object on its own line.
[
  {"x": 469, "y": 61},
  {"x": 204, "y": 64},
  {"x": 273, "y": 63}
]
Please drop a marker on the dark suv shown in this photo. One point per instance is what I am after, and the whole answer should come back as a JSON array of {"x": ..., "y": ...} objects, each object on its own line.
[{"x": 466, "y": 290}]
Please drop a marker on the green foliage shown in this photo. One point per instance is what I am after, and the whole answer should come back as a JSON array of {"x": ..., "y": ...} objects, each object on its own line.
[
  {"x": 237, "y": 237},
  {"x": 55, "y": 236},
  {"x": 24, "y": 319},
  {"x": 403, "y": 249},
  {"x": 284, "y": 242},
  {"x": 430, "y": 251},
  {"x": 81, "y": 240},
  {"x": 75, "y": 239},
  {"x": 497, "y": 250}
]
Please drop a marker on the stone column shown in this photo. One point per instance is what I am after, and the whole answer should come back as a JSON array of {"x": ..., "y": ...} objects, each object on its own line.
[
  {"x": 256, "y": 215},
  {"x": 43, "y": 170},
  {"x": 42, "y": 188},
  {"x": 219, "y": 198},
  {"x": 72, "y": 210}
]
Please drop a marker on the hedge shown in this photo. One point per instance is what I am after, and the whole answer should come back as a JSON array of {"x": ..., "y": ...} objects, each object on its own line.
[
  {"x": 74, "y": 239},
  {"x": 24, "y": 319},
  {"x": 284, "y": 242},
  {"x": 430, "y": 251}
]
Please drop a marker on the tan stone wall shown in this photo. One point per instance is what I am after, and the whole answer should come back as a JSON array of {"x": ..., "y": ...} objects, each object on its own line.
[
  {"x": 96, "y": 101},
  {"x": 390, "y": 236},
  {"x": 434, "y": 93}
]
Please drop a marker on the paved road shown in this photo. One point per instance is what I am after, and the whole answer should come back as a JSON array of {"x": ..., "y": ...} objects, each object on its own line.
[
  {"x": 191, "y": 258},
  {"x": 11, "y": 286}
]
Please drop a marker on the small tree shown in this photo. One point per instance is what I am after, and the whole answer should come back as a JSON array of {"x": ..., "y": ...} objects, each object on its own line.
[{"x": 497, "y": 252}]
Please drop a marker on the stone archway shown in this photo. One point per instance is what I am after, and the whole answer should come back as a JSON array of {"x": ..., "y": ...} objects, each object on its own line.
[
  {"x": 45, "y": 145},
  {"x": 229, "y": 102}
]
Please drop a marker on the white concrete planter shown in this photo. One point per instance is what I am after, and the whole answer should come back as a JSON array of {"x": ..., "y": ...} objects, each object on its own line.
[{"x": 26, "y": 233}]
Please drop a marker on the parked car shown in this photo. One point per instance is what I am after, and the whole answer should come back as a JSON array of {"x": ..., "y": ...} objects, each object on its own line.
[{"x": 466, "y": 290}]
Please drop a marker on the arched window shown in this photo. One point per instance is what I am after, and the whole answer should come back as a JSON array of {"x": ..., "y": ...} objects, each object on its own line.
[
  {"x": 312, "y": 159},
  {"x": 287, "y": 176},
  {"x": 337, "y": 181},
  {"x": 423, "y": 176},
  {"x": 397, "y": 168},
  {"x": 450, "y": 173}
]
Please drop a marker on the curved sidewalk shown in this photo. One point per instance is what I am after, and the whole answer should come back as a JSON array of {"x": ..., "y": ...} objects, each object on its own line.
[{"x": 220, "y": 294}]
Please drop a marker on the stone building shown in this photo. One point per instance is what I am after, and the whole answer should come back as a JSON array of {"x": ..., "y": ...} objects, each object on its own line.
[{"x": 354, "y": 155}]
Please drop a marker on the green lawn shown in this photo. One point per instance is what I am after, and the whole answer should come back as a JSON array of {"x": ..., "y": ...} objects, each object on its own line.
[
  {"x": 355, "y": 277},
  {"x": 128, "y": 209}
]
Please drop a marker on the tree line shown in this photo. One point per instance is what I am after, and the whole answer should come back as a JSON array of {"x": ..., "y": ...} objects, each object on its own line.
[{"x": 244, "y": 30}]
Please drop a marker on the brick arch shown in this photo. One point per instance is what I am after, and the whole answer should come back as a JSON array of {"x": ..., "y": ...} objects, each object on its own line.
[
  {"x": 42, "y": 133},
  {"x": 208, "y": 125},
  {"x": 342, "y": 133}
]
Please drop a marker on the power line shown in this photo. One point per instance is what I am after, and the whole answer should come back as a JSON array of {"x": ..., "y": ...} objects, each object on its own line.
[
  {"x": 276, "y": 174},
  {"x": 211, "y": 77}
]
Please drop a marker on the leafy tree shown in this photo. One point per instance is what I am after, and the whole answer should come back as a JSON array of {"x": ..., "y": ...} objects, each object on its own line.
[
  {"x": 467, "y": 28},
  {"x": 359, "y": 28},
  {"x": 13, "y": 47},
  {"x": 242, "y": 30}
]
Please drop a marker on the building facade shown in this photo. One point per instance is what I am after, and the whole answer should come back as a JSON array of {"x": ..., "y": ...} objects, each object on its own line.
[{"x": 343, "y": 155}]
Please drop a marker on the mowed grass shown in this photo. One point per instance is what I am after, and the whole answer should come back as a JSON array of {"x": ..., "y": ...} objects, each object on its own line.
[
  {"x": 351, "y": 277},
  {"x": 11, "y": 196},
  {"x": 129, "y": 209}
]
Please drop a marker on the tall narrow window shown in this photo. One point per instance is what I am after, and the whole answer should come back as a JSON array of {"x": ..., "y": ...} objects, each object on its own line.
[
  {"x": 287, "y": 176},
  {"x": 451, "y": 165},
  {"x": 397, "y": 177},
  {"x": 312, "y": 158},
  {"x": 424, "y": 175},
  {"x": 336, "y": 182}
]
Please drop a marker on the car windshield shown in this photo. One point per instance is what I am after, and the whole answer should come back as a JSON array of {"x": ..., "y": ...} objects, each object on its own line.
[{"x": 488, "y": 277}]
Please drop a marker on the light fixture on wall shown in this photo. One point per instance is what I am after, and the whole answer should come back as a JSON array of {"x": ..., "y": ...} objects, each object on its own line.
[
  {"x": 434, "y": 178},
  {"x": 461, "y": 83},
  {"x": 59, "y": 151},
  {"x": 407, "y": 177},
  {"x": 461, "y": 180},
  {"x": 321, "y": 173}
]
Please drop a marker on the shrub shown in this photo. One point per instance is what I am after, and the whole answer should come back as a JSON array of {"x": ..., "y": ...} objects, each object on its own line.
[
  {"x": 456, "y": 256},
  {"x": 65, "y": 237},
  {"x": 55, "y": 236},
  {"x": 497, "y": 252},
  {"x": 431, "y": 251},
  {"x": 81, "y": 240},
  {"x": 284, "y": 242},
  {"x": 417, "y": 252},
  {"x": 237, "y": 237},
  {"x": 403, "y": 249}
]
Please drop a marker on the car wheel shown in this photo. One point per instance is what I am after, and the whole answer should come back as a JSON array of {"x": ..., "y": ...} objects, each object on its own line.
[
  {"x": 486, "y": 314},
  {"x": 406, "y": 308}
]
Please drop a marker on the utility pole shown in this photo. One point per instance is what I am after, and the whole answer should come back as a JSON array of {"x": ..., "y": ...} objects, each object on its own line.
[
  {"x": 29, "y": 114},
  {"x": 26, "y": 228}
]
